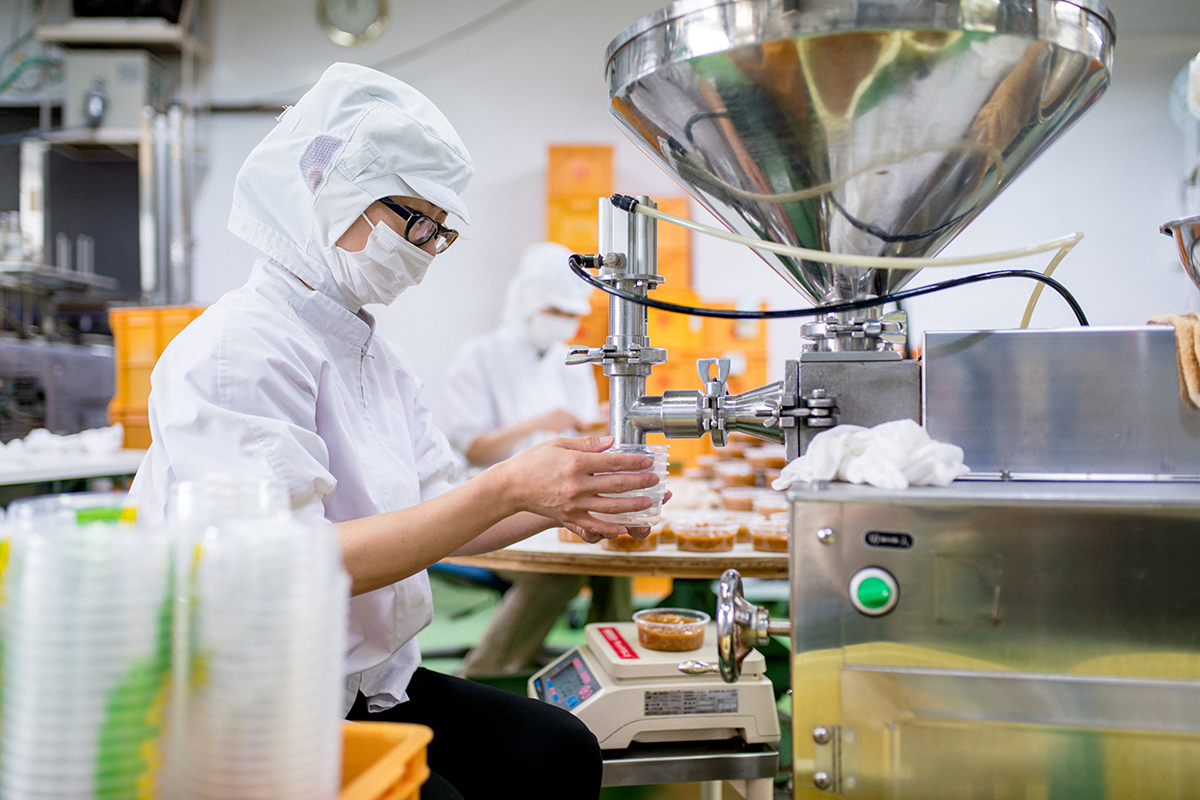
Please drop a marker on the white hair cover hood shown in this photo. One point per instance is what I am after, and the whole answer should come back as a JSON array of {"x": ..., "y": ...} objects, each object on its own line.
[
  {"x": 355, "y": 136},
  {"x": 543, "y": 281}
]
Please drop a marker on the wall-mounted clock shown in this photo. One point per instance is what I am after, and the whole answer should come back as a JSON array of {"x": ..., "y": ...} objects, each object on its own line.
[{"x": 351, "y": 22}]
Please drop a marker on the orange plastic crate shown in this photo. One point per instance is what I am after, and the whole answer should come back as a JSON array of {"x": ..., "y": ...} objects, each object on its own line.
[
  {"x": 580, "y": 171},
  {"x": 383, "y": 760},
  {"x": 140, "y": 334},
  {"x": 136, "y": 423}
]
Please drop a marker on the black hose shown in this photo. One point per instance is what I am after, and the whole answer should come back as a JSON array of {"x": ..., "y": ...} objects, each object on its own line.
[{"x": 578, "y": 262}]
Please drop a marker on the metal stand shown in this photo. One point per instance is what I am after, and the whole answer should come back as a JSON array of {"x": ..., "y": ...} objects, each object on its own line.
[{"x": 750, "y": 767}]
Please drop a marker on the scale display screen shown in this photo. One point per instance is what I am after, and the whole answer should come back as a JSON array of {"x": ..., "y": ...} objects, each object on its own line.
[{"x": 569, "y": 684}]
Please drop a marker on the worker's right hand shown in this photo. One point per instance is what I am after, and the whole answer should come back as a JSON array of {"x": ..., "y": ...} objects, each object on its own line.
[{"x": 564, "y": 478}]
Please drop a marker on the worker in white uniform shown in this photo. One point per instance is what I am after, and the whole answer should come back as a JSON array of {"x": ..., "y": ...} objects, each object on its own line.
[
  {"x": 511, "y": 387},
  {"x": 284, "y": 379},
  {"x": 506, "y": 390}
]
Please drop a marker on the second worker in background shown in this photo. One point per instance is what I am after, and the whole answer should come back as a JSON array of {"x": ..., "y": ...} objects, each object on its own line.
[{"x": 507, "y": 390}]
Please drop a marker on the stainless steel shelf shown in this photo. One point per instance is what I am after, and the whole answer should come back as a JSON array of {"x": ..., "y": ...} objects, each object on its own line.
[
  {"x": 17, "y": 274},
  {"x": 99, "y": 137},
  {"x": 154, "y": 34}
]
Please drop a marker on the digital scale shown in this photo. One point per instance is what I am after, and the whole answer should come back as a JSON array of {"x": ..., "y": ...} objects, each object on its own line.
[{"x": 626, "y": 693}]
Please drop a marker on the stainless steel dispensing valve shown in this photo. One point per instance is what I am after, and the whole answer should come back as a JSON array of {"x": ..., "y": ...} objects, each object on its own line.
[
  {"x": 741, "y": 626},
  {"x": 775, "y": 412}
]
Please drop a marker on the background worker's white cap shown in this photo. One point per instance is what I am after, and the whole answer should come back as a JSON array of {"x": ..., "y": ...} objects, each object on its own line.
[
  {"x": 1193, "y": 87},
  {"x": 355, "y": 136},
  {"x": 543, "y": 281}
]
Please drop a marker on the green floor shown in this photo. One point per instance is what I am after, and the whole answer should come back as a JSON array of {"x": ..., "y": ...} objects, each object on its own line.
[{"x": 462, "y": 613}]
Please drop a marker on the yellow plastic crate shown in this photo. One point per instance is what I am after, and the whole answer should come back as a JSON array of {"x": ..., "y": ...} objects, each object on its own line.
[{"x": 383, "y": 760}]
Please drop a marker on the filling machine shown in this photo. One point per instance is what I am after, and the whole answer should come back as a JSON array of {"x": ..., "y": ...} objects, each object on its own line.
[{"x": 1033, "y": 631}]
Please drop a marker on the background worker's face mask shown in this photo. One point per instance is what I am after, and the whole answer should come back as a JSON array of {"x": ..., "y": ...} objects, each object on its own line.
[
  {"x": 545, "y": 330},
  {"x": 384, "y": 268}
]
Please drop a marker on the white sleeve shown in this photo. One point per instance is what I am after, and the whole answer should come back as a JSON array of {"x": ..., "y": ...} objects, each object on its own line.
[{"x": 239, "y": 400}]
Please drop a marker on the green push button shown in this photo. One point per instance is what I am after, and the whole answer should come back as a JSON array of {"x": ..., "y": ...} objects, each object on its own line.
[{"x": 874, "y": 593}]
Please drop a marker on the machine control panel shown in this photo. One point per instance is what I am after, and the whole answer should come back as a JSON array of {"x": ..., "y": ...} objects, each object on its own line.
[{"x": 569, "y": 684}]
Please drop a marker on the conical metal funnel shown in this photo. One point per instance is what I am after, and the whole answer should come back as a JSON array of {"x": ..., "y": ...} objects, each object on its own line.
[
  {"x": 1186, "y": 233},
  {"x": 874, "y": 127}
]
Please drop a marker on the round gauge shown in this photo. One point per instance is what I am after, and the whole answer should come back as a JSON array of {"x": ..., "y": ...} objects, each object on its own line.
[{"x": 351, "y": 22}]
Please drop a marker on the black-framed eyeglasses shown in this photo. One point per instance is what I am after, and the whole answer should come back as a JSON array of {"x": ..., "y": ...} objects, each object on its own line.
[{"x": 420, "y": 228}]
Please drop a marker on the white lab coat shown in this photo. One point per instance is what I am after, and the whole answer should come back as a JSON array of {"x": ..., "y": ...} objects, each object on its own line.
[
  {"x": 499, "y": 379},
  {"x": 278, "y": 381}
]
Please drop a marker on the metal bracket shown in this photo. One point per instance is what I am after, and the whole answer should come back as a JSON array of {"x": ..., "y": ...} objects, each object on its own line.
[
  {"x": 827, "y": 758},
  {"x": 607, "y": 354},
  {"x": 581, "y": 354},
  {"x": 818, "y": 411},
  {"x": 886, "y": 333}
]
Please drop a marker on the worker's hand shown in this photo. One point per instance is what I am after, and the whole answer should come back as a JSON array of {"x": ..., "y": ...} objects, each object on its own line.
[
  {"x": 564, "y": 478},
  {"x": 559, "y": 420},
  {"x": 592, "y": 538}
]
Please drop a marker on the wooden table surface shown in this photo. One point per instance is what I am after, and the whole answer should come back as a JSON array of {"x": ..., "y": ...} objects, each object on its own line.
[{"x": 543, "y": 552}]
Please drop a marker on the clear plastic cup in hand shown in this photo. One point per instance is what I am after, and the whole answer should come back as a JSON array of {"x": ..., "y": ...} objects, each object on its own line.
[{"x": 647, "y": 516}]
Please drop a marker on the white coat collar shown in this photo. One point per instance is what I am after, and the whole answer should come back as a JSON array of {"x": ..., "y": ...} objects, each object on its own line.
[{"x": 315, "y": 307}]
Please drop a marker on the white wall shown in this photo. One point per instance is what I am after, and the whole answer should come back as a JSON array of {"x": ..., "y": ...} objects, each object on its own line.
[
  {"x": 1116, "y": 177},
  {"x": 535, "y": 77}
]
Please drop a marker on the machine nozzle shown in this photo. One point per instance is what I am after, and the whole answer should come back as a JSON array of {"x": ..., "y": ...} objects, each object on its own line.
[
  {"x": 624, "y": 202},
  {"x": 588, "y": 261}
]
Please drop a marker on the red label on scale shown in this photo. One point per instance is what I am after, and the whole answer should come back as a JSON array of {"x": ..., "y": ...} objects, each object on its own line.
[{"x": 617, "y": 642}]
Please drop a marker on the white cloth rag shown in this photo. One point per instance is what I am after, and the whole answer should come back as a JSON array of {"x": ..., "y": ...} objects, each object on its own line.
[
  {"x": 41, "y": 442},
  {"x": 893, "y": 455}
]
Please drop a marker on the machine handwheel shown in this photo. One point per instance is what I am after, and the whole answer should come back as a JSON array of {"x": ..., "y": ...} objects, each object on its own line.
[{"x": 729, "y": 591}]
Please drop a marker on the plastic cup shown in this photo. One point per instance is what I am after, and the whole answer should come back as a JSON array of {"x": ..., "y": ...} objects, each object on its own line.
[
  {"x": 769, "y": 501},
  {"x": 648, "y": 516},
  {"x": 671, "y": 629},
  {"x": 628, "y": 544},
  {"x": 735, "y": 473},
  {"x": 739, "y": 498},
  {"x": 767, "y": 457},
  {"x": 770, "y": 535},
  {"x": 705, "y": 535}
]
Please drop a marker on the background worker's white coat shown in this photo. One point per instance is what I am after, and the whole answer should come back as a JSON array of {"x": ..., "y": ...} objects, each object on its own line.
[
  {"x": 501, "y": 378},
  {"x": 279, "y": 381}
]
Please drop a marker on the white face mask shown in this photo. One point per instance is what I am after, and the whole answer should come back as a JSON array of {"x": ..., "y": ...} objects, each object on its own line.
[
  {"x": 384, "y": 268},
  {"x": 546, "y": 330}
]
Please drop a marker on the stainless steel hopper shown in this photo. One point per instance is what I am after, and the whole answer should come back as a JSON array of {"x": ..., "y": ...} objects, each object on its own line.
[
  {"x": 873, "y": 127},
  {"x": 1186, "y": 233}
]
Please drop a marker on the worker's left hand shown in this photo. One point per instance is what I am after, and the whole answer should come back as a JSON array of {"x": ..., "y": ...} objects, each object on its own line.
[{"x": 637, "y": 533}]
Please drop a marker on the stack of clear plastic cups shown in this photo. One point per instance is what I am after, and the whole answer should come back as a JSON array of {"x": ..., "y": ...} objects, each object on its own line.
[
  {"x": 87, "y": 660},
  {"x": 195, "y": 504},
  {"x": 268, "y": 639},
  {"x": 191, "y": 507},
  {"x": 648, "y": 516}
]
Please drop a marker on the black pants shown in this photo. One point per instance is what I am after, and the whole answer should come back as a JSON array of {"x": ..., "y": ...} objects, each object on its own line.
[{"x": 490, "y": 744}]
